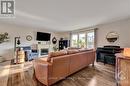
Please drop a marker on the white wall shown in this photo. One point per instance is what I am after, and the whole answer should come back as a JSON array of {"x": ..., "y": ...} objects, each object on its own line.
[
  {"x": 64, "y": 35},
  {"x": 122, "y": 27},
  {"x": 7, "y": 48}
]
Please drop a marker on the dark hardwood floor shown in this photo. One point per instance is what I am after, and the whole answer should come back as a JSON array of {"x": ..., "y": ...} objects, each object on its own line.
[{"x": 100, "y": 75}]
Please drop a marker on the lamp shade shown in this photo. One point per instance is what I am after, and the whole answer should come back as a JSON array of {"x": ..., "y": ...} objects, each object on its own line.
[{"x": 126, "y": 52}]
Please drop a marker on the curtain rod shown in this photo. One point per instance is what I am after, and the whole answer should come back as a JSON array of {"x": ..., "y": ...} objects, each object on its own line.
[{"x": 85, "y": 29}]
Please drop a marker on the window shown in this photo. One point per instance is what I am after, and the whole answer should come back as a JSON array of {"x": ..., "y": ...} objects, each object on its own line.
[
  {"x": 83, "y": 40},
  {"x": 74, "y": 40},
  {"x": 90, "y": 40}
]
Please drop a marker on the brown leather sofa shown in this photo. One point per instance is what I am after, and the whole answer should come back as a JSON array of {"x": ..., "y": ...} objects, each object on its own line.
[{"x": 62, "y": 64}]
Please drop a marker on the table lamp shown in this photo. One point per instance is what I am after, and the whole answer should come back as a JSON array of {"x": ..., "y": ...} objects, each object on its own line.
[{"x": 126, "y": 52}]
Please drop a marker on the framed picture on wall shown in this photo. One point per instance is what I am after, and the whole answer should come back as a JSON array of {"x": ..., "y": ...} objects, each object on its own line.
[{"x": 29, "y": 37}]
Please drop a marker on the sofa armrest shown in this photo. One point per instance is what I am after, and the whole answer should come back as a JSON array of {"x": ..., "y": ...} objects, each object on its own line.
[{"x": 42, "y": 70}]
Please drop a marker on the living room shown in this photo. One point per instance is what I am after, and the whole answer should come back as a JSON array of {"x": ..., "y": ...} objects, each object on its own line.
[{"x": 62, "y": 45}]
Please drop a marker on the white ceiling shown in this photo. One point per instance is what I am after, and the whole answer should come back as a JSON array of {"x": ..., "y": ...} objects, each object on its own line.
[{"x": 67, "y": 15}]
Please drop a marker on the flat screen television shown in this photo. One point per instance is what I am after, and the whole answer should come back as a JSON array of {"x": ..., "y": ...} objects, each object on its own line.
[{"x": 43, "y": 36}]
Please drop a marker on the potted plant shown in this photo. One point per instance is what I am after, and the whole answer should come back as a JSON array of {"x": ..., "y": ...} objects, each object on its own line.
[
  {"x": 55, "y": 48},
  {"x": 4, "y": 37}
]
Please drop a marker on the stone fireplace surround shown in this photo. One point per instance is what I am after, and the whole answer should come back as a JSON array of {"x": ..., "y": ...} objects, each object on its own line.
[{"x": 43, "y": 49}]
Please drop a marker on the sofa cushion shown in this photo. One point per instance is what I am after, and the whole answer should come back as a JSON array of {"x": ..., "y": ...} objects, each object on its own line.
[
  {"x": 44, "y": 58},
  {"x": 58, "y": 53},
  {"x": 72, "y": 51},
  {"x": 84, "y": 49},
  {"x": 72, "y": 48},
  {"x": 55, "y": 54}
]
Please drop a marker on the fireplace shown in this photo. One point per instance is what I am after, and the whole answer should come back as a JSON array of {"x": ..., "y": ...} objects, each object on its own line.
[{"x": 44, "y": 51}]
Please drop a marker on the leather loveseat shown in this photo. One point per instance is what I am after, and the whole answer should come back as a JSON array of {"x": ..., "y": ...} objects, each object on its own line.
[{"x": 59, "y": 65}]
